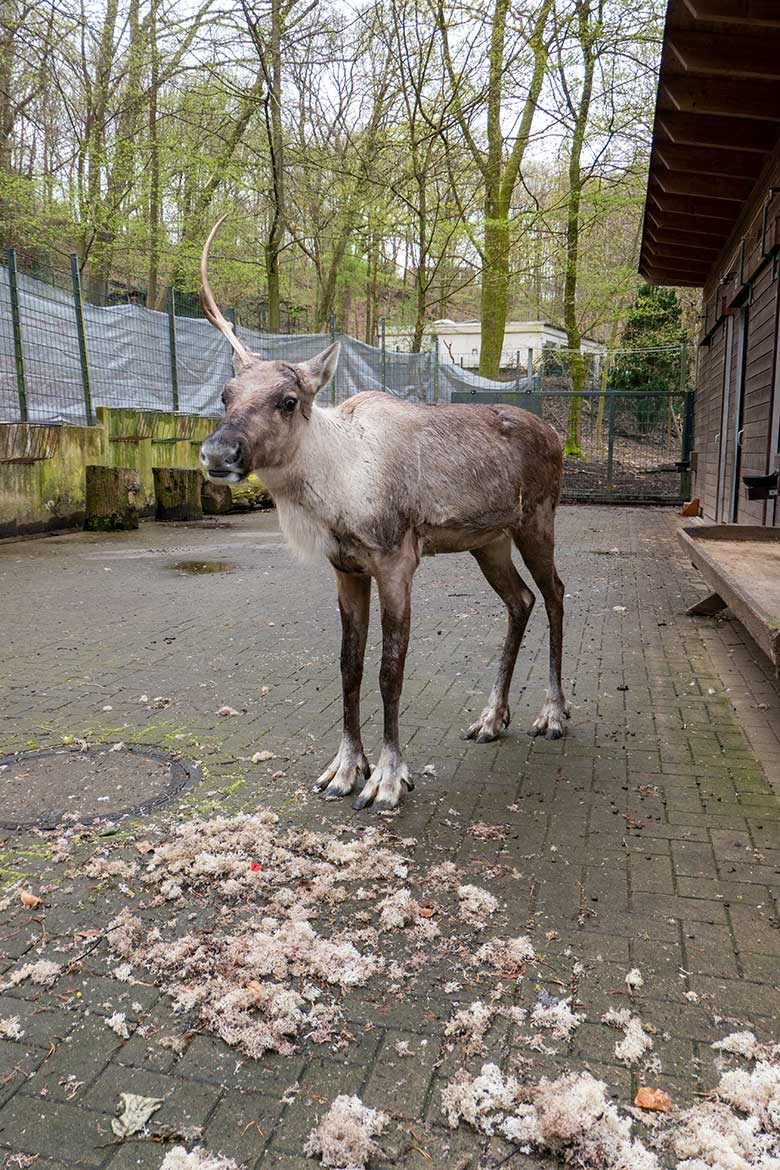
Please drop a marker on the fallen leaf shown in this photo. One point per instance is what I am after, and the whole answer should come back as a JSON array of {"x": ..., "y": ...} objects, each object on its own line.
[
  {"x": 654, "y": 1099},
  {"x": 426, "y": 911},
  {"x": 91, "y": 932},
  {"x": 144, "y": 847},
  {"x": 30, "y": 900},
  {"x": 254, "y": 986},
  {"x": 136, "y": 1111},
  {"x": 261, "y": 757}
]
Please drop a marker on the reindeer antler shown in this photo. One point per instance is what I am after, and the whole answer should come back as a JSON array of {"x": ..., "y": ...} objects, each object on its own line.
[{"x": 211, "y": 310}]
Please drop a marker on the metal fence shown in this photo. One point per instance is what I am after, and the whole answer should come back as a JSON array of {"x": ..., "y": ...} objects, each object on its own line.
[{"x": 61, "y": 357}]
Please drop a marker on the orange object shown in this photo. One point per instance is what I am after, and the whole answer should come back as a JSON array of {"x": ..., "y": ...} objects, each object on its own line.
[{"x": 654, "y": 1099}]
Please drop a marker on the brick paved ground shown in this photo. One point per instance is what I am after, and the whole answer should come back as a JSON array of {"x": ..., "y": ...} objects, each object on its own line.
[{"x": 648, "y": 837}]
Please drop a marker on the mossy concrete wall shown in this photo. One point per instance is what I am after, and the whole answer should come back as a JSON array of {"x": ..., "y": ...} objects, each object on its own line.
[{"x": 47, "y": 494}]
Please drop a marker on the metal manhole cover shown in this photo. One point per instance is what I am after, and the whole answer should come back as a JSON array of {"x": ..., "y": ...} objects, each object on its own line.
[{"x": 40, "y": 789}]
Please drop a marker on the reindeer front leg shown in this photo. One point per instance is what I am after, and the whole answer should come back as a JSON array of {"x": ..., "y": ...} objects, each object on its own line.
[
  {"x": 340, "y": 777},
  {"x": 386, "y": 784}
]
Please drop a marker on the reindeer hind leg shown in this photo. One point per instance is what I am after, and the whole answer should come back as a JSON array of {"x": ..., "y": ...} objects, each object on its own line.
[
  {"x": 495, "y": 561},
  {"x": 536, "y": 541}
]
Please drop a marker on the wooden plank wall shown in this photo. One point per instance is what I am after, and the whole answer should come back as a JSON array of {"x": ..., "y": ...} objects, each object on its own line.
[
  {"x": 742, "y": 292},
  {"x": 709, "y": 399}
]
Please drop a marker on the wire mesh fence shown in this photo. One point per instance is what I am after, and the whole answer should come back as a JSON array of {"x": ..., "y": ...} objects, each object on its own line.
[{"x": 61, "y": 357}]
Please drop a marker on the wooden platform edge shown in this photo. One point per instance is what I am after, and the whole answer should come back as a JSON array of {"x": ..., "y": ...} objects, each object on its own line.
[{"x": 761, "y": 626}]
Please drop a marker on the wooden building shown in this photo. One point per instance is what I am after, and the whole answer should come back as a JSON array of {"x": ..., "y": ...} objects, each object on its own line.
[{"x": 712, "y": 220}]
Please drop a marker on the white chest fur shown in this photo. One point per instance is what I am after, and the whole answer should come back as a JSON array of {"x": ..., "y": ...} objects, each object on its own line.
[{"x": 306, "y": 534}]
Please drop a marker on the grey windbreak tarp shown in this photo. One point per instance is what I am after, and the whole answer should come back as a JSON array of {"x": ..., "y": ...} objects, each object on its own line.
[{"x": 129, "y": 351}]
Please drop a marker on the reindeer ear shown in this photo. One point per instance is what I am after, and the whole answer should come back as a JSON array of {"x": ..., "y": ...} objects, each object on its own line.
[{"x": 320, "y": 369}]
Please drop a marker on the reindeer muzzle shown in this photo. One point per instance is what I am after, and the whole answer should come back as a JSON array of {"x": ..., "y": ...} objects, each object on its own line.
[{"x": 225, "y": 457}]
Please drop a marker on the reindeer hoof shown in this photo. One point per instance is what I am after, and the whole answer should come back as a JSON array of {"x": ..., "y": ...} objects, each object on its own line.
[
  {"x": 550, "y": 721},
  {"x": 489, "y": 726},
  {"x": 385, "y": 786},
  {"x": 341, "y": 775},
  {"x": 384, "y": 806}
]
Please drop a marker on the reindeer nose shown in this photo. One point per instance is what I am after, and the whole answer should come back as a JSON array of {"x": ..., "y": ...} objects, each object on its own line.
[{"x": 224, "y": 457}]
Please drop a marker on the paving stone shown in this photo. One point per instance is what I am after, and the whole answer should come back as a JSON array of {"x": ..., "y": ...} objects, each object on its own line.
[
  {"x": 320, "y": 1084},
  {"x": 69, "y": 1134},
  {"x": 241, "y": 1126},
  {"x": 185, "y": 1103},
  {"x": 78, "y": 1059}
]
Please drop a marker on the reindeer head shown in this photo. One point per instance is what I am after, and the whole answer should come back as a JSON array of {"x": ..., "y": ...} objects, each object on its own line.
[{"x": 267, "y": 404}]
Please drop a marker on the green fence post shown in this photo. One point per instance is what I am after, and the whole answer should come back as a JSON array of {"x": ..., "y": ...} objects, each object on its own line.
[
  {"x": 382, "y": 336},
  {"x": 684, "y": 366},
  {"x": 435, "y": 366},
  {"x": 172, "y": 346},
  {"x": 75, "y": 276},
  {"x": 13, "y": 288},
  {"x": 686, "y": 479},
  {"x": 332, "y": 323},
  {"x": 611, "y": 436}
]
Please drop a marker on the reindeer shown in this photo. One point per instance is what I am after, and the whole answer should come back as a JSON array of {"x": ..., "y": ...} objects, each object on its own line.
[{"x": 375, "y": 484}]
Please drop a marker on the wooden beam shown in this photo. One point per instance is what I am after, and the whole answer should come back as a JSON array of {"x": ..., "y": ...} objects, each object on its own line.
[
  {"x": 750, "y": 13},
  {"x": 694, "y": 205},
  {"x": 687, "y": 240},
  {"x": 690, "y": 231},
  {"x": 704, "y": 52},
  {"x": 683, "y": 253},
  {"x": 675, "y": 269},
  {"x": 690, "y": 221},
  {"x": 709, "y": 160},
  {"x": 688, "y": 183},
  {"x": 723, "y": 95},
  {"x": 671, "y": 279},
  {"x": 740, "y": 134}
]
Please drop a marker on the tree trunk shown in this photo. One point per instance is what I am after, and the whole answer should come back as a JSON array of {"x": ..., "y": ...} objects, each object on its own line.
[
  {"x": 573, "y": 446},
  {"x": 155, "y": 194},
  {"x": 177, "y": 491},
  {"x": 200, "y": 204},
  {"x": 111, "y": 499},
  {"x": 495, "y": 294},
  {"x": 121, "y": 171},
  {"x": 273, "y": 115}
]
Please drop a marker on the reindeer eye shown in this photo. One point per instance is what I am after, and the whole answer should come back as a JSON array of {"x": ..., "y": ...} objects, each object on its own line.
[{"x": 289, "y": 404}]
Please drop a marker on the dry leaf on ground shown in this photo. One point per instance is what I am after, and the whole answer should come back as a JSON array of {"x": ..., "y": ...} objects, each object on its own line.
[{"x": 654, "y": 1099}]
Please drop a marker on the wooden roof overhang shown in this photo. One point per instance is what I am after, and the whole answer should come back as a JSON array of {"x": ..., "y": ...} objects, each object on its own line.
[{"x": 717, "y": 121}]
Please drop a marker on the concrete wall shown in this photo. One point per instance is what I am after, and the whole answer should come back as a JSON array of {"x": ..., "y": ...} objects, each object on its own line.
[{"x": 43, "y": 469}]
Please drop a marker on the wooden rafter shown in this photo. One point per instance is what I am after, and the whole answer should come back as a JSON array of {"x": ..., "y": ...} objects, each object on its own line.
[
  {"x": 705, "y": 161},
  {"x": 747, "y": 13},
  {"x": 714, "y": 130},
  {"x": 732, "y": 56},
  {"x": 723, "y": 190},
  {"x": 723, "y": 95}
]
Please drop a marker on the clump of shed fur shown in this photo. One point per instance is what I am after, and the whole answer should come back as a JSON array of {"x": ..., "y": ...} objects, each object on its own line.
[
  {"x": 506, "y": 954},
  {"x": 344, "y": 1137},
  {"x": 198, "y": 1159},
  {"x": 476, "y": 905},
  {"x": 557, "y": 1018},
  {"x": 43, "y": 972},
  {"x": 635, "y": 1042},
  {"x": 571, "y": 1117}
]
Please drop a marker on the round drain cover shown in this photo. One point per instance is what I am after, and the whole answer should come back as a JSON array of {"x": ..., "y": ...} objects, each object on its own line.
[{"x": 44, "y": 788}]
